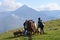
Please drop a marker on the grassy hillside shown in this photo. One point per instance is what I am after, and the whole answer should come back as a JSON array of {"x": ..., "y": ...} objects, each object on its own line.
[{"x": 52, "y": 32}]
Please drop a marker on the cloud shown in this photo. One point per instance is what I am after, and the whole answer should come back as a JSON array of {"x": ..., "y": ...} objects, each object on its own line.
[
  {"x": 15, "y": 16},
  {"x": 0, "y": 3},
  {"x": 50, "y": 6},
  {"x": 9, "y": 5}
]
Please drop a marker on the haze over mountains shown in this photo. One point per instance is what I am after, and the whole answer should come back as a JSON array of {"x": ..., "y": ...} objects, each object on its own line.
[{"x": 14, "y": 19}]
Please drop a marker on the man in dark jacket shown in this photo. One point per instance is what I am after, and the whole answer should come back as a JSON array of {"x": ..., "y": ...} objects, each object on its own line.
[
  {"x": 25, "y": 27},
  {"x": 40, "y": 25}
]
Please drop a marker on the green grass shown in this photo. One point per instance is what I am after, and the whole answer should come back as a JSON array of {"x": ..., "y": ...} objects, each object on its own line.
[{"x": 52, "y": 32}]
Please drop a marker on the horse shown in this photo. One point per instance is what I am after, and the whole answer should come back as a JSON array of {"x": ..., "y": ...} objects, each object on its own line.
[{"x": 30, "y": 26}]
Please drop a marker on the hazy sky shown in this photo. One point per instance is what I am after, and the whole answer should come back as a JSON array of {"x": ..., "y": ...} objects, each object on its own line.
[{"x": 7, "y": 5}]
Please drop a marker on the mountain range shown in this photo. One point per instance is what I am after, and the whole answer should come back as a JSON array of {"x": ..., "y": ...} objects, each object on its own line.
[{"x": 15, "y": 19}]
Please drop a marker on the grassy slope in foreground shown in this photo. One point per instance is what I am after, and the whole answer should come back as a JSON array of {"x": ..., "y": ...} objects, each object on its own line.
[{"x": 52, "y": 30}]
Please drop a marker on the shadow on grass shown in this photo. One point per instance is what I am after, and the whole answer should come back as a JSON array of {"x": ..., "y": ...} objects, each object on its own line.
[
  {"x": 45, "y": 33},
  {"x": 12, "y": 37},
  {"x": 29, "y": 37}
]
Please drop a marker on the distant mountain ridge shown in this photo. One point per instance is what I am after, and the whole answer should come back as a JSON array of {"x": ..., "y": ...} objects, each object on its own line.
[{"x": 15, "y": 19}]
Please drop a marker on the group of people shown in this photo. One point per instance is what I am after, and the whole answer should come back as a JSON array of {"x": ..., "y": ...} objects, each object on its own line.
[{"x": 31, "y": 25}]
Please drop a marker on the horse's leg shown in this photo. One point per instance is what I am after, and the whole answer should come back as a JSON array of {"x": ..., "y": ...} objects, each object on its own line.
[{"x": 15, "y": 35}]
